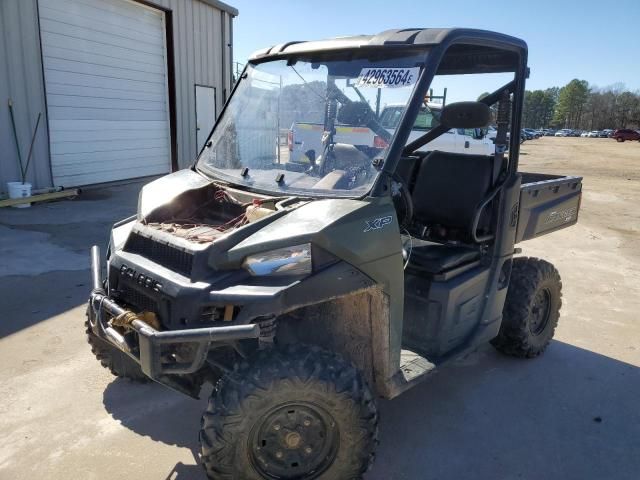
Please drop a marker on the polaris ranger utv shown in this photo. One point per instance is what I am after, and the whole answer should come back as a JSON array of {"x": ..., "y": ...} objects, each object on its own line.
[{"x": 303, "y": 293}]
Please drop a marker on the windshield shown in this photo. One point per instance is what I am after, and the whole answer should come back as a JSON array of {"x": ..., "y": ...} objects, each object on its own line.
[{"x": 311, "y": 126}]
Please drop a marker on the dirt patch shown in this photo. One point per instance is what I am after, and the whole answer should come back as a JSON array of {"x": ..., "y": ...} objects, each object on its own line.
[{"x": 599, "y": 258}]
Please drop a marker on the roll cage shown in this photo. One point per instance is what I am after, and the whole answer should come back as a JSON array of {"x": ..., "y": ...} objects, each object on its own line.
[{"x": 446, "y": 52}]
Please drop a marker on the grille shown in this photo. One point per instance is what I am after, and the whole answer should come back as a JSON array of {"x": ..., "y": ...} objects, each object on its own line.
[
  {"x": 165, "y": 255},
  {"x": 137, "y": 299}
]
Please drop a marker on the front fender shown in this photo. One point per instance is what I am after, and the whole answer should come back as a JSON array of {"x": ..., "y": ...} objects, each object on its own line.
[{"x": 335, "y": 281}]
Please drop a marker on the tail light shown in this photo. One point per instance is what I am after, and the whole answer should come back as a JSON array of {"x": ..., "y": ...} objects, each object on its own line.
[
  {"x": 379, "y": 142},
  {"x": 290, "y": 140}
]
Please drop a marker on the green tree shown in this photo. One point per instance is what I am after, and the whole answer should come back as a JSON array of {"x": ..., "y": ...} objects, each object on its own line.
[
  {"x": 572, "y": 100},
  {"x": 539, "y": 107},
  {"x": 549, "y": 106}
]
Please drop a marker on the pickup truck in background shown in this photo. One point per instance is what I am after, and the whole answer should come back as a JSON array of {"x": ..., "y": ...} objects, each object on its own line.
[{"x": 304, "y": 136}]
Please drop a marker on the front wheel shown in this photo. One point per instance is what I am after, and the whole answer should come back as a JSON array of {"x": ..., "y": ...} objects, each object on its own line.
[
  {"x": 620, "y": 139},
  {"x": 294, "y": 413},
  {"x": 531, "y": 310}
]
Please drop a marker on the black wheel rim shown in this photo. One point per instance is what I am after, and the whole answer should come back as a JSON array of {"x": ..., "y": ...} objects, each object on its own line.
[
  {"x": 540, "y": 310},
  {"x": 295, "y": 440}
]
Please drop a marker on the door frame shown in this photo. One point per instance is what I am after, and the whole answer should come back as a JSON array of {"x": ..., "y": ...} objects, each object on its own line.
[{"x": 171, "y": 79}]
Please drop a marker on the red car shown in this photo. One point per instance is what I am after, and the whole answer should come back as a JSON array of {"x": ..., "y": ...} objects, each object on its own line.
[{"x": 625, "y": 134}]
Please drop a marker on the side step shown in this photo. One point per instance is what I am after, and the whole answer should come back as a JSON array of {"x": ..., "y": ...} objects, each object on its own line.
[{"x": 414, "y": 368}]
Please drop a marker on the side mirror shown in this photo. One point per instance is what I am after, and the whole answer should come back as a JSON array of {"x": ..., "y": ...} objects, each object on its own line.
[{"x": 465, "y": 115}]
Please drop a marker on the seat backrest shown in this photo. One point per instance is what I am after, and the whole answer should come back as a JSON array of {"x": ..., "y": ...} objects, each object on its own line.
[{"x": 449, "y": 188}]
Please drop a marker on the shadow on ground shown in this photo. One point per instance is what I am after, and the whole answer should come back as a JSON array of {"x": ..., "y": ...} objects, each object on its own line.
[
  {"x": 560, "y": 416},
  {"x": 161, "y": 414},
  {"x": 29, "y": 300},
  {"x": 44, "y": 252}
]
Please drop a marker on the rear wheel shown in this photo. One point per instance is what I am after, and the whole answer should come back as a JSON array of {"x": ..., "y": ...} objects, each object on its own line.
[
  {"x": 619, "y": 139},
  {"x": 531, "y": 310},
  {"x": 117, "y": 362},
  {"x": 294, "y": 413}
]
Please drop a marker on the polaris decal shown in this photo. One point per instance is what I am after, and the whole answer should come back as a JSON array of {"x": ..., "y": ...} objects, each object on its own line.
[
  {"x": 140, "y": 279},
  {"x": 377, "y": 223},
  {"x": 561, "y": 216}
]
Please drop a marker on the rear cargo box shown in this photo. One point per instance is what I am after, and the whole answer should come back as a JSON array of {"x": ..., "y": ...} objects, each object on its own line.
[{"x": 547, "y": 203}]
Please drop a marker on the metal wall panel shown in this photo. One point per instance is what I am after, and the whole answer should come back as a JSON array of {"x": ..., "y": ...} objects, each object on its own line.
[
  {"x": 21, "y": 80},
  {"x": 201, "y": 45},
  {"x": 200, "y": 50}
]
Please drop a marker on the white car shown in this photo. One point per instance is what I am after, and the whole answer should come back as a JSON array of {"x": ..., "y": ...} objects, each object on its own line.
[
  {"x": 584, "y": 134},
  {"x": 593, "y": 134},
  {"x": 565, "y": 132}
]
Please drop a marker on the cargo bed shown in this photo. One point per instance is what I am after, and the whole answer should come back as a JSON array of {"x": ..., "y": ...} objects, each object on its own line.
[{"x": 547, "y": 203}]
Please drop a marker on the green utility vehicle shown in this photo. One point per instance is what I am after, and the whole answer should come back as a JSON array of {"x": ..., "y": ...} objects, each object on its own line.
[{"x": 305, "y": 290}]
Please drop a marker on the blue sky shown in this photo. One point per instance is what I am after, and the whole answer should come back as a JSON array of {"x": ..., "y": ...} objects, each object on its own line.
[{"x": 598, "y": 41}]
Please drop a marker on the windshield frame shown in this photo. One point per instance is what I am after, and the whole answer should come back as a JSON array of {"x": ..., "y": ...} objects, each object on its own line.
[{"x": 422, "y": 51}]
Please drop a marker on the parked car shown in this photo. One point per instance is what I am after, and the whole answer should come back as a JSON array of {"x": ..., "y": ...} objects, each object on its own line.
[
  {"x": 585, "y": 134},
  {"x": 565, "y": 132},
  {"x": 532, "y": 133},
  {"x": 606, "y": 133},
  {"x": 593, "y": 134},
  {"x": 527, "y": 135},
  {"x": 623, "y": 134},
  {"x": 549, "y": 132}
]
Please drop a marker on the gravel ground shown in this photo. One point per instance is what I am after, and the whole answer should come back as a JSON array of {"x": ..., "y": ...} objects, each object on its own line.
[{"x": 570, "y": 414}]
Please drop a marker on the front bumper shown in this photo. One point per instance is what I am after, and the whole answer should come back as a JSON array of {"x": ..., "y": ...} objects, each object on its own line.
[{"x": 150, "y": 348}]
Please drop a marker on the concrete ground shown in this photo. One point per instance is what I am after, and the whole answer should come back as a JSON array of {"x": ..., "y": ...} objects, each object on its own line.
[{"x": 570, "y": 414}]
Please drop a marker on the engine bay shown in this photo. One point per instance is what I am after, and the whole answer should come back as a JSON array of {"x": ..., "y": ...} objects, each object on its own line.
[{"x": 206, "y": 214}]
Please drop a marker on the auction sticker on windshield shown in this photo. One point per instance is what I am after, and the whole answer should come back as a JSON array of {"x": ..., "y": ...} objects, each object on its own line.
[{"x": 387, "y": 77}]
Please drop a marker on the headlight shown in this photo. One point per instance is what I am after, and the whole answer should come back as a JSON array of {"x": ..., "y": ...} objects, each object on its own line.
[{"x": 294, "y": 260}]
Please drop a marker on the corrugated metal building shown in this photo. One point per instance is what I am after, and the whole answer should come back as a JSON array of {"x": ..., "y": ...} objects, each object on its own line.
[{"x": 127, "y": 88}]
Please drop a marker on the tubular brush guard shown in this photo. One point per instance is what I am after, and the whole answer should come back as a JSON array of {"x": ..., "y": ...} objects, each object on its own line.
[{"x": 147, "y": 350}]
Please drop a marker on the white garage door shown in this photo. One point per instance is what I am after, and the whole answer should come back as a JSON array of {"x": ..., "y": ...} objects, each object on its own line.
[{"x": 106, "y": 82}]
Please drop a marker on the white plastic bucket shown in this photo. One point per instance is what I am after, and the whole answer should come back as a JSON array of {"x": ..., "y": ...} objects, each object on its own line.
[{"x": 19, "y": 190}]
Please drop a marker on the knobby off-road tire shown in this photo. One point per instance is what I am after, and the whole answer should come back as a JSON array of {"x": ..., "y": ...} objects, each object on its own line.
[
  {"x": 117, "y": 362},
  {"x": 531, "y": 310},
  {"x": 297, "y": 412}
]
